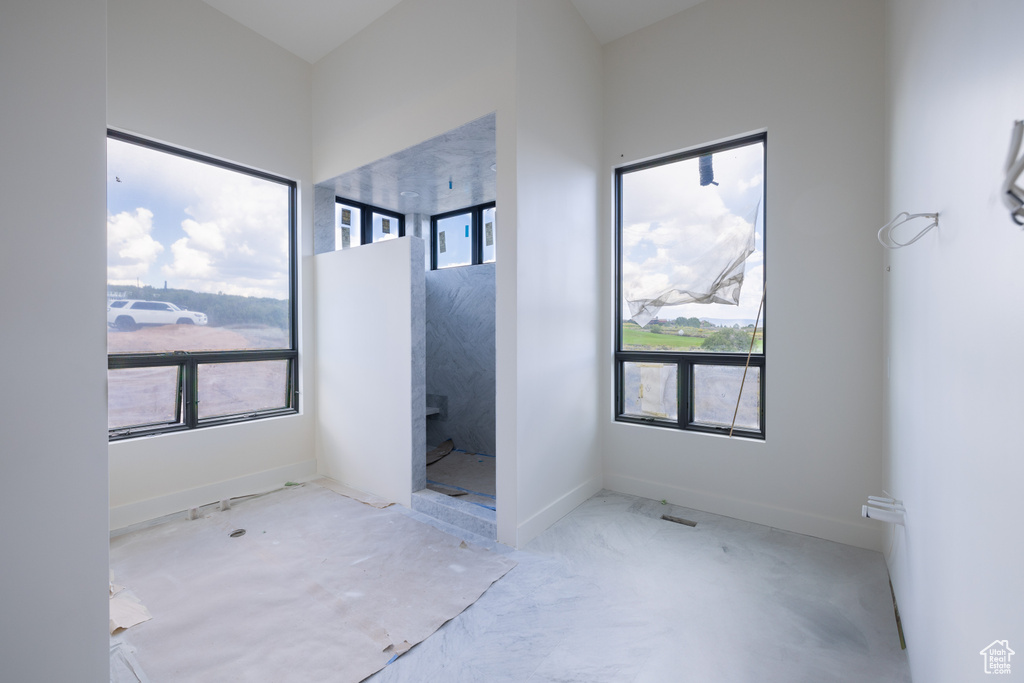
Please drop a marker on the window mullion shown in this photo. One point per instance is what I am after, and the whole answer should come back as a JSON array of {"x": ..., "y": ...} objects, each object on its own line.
[
  {"x": 191, "y": 393},
  {"x": 181, "y": 411},
  {"x": 433, "y": 242},
  {"x": 293, "y": 387},
  {"x": 684, "y": 387},
  {"x": 476, "y": 242}
]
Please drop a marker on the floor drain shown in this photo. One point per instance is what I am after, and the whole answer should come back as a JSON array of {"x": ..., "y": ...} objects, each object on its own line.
[
  {"x": 237, "y": 532},
  {"x": 678, "y": 520}
]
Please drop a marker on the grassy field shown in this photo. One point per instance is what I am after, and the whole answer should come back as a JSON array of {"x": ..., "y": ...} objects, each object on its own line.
[{"x": 632, "y": 336}]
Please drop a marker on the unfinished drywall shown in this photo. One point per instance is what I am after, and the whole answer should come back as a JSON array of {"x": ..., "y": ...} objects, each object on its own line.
[
  {"x": 371, "y": 390},
  {"x": 460, "y": 356},
  {"x": 185, "y": 74},
  {"x": 954, "y": 398},
  {"x": 812, "y": 75},
  {"x": 53, "y": 457},
  {"x": 557, "y": 251}
]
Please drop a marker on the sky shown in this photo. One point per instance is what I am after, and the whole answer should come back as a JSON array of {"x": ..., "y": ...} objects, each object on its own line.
[
  {"x": 193, "y": 225},
  {"x": 671, "y": 223}
]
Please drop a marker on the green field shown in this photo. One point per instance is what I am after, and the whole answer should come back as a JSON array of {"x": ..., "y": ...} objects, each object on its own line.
[
  {"x": 636, "y": 339},
  {"x": 632, "y": 336}
]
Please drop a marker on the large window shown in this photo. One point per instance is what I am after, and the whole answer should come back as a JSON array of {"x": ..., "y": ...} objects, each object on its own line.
[
  {"x": 690, "y": 341},
  {"x": 200, "y": 291},
  {"x": 464, "y": 237}
]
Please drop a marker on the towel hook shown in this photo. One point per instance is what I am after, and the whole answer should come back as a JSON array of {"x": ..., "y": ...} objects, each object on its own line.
[
  {"x": 1013, "y": 194},
  {"x": 885, "y": 235}
]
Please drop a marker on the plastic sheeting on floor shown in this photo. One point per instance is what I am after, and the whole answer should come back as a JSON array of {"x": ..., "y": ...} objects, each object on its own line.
[{"x": 320, "y": 587}]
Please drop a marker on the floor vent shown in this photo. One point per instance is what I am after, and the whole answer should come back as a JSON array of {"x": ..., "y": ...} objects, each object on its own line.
[{"x": 678, "y": 520}]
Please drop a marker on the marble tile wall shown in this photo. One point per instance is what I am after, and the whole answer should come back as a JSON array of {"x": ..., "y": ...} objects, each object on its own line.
[
  {"x": 460, "y": 355},
  {"x": 466, "y": 516},
  {"x": 323, "y": 219},
  {"x": 451, "y": 171},
  {"x": 418, "y": 359}
]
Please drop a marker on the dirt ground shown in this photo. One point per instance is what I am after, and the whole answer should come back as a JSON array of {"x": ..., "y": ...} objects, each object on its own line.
[{"x": 166, "y": 338}]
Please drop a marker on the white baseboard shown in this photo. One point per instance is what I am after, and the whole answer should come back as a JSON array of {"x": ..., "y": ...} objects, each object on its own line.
[
  {"x": 863, "y": 534},
  {"x": 145, "y": 510},
  {"x": 537, "y": 523}
]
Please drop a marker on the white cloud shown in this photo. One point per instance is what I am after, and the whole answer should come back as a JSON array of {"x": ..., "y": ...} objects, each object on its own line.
[
  {"x": 234, "y": 236},
  {"x": 205, "y": 236},
  {"x": 239, "y": 235},
  {"x": 131, "y": 249},
  {"x": 189, "y": 263},
  {"x": 745, "y": 185}
]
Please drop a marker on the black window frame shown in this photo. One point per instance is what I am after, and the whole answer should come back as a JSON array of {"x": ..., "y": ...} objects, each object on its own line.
[
  {"x": 685, "y": 361},
  {"x": 476, "y": 233},
  {"x": 188, "y": 362},
  {"x": 366, "y": 212}
]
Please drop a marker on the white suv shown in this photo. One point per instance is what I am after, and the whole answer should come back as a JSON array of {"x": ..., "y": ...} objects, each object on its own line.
[{"x": 130, "y": 314}]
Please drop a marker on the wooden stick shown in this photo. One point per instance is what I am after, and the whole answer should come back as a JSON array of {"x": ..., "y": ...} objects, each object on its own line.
[{"x": 750, "y": 351}]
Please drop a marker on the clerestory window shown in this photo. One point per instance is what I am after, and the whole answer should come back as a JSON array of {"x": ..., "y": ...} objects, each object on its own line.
[
  {"x": 356, "y": 223},
  {"x": 464, "y": 237}
]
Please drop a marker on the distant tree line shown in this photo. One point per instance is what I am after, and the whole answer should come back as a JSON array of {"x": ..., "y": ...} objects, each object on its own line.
[
  {"x": 727, "y": 339},
  {"x": 221, "y": 309}
]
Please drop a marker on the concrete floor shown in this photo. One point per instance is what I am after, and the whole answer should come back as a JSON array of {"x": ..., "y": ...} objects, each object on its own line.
[{"x": 613, "y": 593}]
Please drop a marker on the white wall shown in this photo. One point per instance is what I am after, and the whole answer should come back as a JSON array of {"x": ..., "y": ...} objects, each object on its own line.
[
  {"x": 422, "y": 69},
  {"x": 955, "y": 323},
  {"x": 558, "y": 250},
  {"x": 185, "y": 74},
  {"x": 812, "y": 75},
  {"x": 53, "y": 457},
  {"x": 369, "y": 297}
]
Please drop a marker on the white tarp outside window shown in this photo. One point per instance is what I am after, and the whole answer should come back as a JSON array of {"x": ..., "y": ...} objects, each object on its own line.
[
  {"x": 692, "y": 238},
  {"x": 713, "y": 276}
]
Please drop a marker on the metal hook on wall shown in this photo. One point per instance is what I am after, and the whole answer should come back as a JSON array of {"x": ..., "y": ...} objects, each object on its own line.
[
  {"x": 1013, "y": 194},
  {"x": 885, "y": 235}
]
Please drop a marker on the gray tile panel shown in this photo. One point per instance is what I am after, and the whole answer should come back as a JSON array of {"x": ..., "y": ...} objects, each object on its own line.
[
  {"x": 460, "y": 356},
  {"x": 323, "y": 219},
  {"x": 419, "y": 363}
]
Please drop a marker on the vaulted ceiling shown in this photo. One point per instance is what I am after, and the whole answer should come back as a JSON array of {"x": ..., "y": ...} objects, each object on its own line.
[
  {"x": 313, "y": 28},
  {"x": 454, "y": 170}
]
